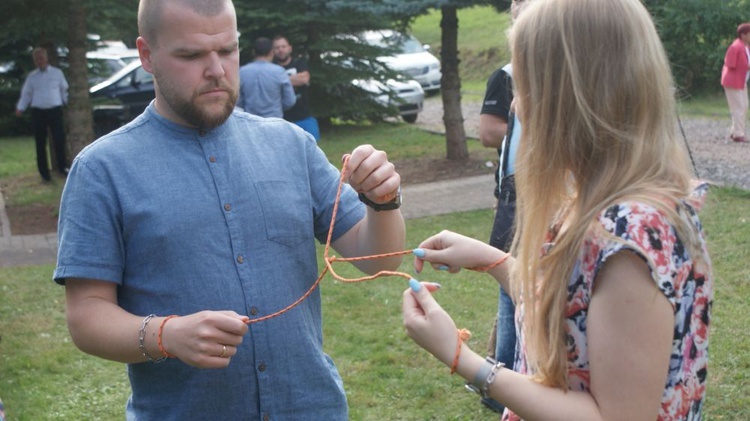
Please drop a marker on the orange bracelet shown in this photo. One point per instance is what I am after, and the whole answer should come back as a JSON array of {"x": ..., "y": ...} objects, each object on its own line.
[
  {"x": 463, "y": 336},
  {"x": 487, "y": 268},
  {"x": 158, "y": 338}
]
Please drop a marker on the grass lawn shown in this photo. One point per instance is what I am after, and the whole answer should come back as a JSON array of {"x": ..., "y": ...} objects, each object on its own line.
[{"x": 43, "y": 376}]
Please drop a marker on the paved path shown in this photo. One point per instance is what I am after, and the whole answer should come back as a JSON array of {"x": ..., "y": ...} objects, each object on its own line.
[{"x": 419, "y": 200}]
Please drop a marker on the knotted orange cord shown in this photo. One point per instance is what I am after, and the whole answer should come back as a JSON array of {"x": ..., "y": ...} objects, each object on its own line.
[{"x": 330, "y": 259}]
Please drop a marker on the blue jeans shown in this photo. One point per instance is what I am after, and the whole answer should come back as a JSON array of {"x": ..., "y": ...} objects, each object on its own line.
[
  {"x": 310, "y": 125},
  {"x": 505, "y": 347}
]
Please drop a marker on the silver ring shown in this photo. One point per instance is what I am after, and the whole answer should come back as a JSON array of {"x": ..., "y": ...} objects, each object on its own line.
[{"x": 223, "y": 351}]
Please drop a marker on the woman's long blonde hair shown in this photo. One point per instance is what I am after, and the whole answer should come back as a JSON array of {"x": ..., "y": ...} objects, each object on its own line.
[{"x": 595, "y": 99}]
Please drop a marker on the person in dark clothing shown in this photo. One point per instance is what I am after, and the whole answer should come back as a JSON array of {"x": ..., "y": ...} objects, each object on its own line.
[{"x": 299, "y": 75}]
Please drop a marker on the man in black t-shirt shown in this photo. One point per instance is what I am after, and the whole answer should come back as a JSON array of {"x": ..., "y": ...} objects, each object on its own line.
[
  {"x": 299, "y": 75},
  {"x": 496, "y": 125}
]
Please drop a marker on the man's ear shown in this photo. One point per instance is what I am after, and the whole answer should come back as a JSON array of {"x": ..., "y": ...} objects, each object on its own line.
[{"x": 144, "y": 51}]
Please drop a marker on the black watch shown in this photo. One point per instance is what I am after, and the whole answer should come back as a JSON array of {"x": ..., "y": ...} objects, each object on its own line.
[{"x": 393, "y": 204}]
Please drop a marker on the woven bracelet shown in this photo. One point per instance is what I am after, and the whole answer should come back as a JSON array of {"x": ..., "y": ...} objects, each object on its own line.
[
  {"x": 463, "y": 336},
  {"x": 159, "y": 341},
  {"x": 498, "y": 262}
]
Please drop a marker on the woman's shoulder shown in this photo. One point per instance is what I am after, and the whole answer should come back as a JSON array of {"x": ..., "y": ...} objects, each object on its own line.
[{"x": 641, "y": 211}]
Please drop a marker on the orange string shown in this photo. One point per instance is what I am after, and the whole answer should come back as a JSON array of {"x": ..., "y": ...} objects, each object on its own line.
[
  {"x": 463, "y": 336},
  {"x": 330, "y": 259},
  {"x": 499, "y": 262},
  {"x": 158, "y": 337}
]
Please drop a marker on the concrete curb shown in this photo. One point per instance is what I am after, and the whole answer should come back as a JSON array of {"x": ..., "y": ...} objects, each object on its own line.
[{"x": 4, "y": 221}]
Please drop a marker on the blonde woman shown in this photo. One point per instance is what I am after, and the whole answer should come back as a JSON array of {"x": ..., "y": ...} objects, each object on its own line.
[{"x": 612, "y": 279}]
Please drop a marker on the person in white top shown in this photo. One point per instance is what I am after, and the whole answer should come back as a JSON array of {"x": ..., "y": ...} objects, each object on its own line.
[{"x": 45, "y": 91}]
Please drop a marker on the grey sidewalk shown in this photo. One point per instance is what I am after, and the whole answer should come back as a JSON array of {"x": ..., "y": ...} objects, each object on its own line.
[{"x": 420, "y": 200}]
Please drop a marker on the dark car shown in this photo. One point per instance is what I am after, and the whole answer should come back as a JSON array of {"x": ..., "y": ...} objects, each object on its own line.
[
  {"x": 128, "y": 92},
  {"x": 121, "y": 97}
]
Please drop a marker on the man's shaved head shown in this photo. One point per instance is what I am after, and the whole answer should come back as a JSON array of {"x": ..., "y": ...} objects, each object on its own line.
[{"x": 150, "y": 13}]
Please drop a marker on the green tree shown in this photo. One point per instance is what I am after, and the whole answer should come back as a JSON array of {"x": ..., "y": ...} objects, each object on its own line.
[
  {"x": 696, "y": 34},
  {"x": 62, "y": 27},
  {"x": 325, "y": 33},
  {"x": 455, "y": 134},
  {"x": 316, "y": 26},
  {"x": 80, "y": 121}
]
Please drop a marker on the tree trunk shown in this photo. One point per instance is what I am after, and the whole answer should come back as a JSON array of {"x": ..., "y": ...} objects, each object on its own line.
[
  {"x": 79, "y": 118},
  {"x": 455, "y": 135}
]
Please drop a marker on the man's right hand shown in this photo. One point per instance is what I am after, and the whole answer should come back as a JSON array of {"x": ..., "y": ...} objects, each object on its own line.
[{"x": 207, "y": 339}]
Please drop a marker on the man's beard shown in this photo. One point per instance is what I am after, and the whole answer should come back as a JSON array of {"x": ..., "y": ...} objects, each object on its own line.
[
  {"x": 279, "y": 59},
  {"x": 196, "y": 115}
]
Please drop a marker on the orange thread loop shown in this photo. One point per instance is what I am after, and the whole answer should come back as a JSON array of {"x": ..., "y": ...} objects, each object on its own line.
[
  {"x": 158, "y": 338},
  {"x": 329, "y": 266},
  {"x": 330, "y": 259},
  {"x": 463, "y": 336},
  {"x": 499, "y": 262}
]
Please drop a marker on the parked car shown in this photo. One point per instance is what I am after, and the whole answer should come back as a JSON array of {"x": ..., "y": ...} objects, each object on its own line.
[
  {"x": 413, "y": 58},
  {"x": 122, "y": 97},
  {"x": 128, "y": 92},
  {"x": 129, "y": 55},
  {"x": 409, "y": 95},
  {"x": 100, "y": 65}
]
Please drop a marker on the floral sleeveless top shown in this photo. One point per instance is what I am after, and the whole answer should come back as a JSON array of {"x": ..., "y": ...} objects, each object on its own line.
[{"x": 688, "y": 286}]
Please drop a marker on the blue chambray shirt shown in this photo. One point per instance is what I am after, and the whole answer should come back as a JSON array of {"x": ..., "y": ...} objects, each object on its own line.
[{"x": 185, "y": 221}]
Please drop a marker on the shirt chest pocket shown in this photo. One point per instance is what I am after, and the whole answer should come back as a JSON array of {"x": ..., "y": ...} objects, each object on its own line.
[
  {"x": 51, "y": 84},
  {"x": 287, "y": 212}
]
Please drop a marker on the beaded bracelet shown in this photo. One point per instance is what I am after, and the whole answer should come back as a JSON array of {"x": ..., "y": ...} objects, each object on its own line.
[
  {"x": 158, "y": 338},
  {"x": 142, "y": 337}
]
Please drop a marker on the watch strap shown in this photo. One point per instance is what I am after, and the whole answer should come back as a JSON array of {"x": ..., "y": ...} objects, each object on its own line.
[
  {"x": 485, "y": 377},
  {"x": 393, "y": 204},
  {"x": 477, "y": 384}
]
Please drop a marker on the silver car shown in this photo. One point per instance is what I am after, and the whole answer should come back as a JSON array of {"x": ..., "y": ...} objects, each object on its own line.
[{"x": 409, "y": 95}]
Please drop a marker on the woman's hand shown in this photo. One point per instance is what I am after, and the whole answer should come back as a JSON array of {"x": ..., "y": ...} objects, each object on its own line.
[
  {"x": 427, "y": 323},
  {"x": 450, "y": 251}
]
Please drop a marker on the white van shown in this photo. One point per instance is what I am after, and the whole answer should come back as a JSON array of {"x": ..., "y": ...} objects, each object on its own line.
[{"x": 413, "y": 60}]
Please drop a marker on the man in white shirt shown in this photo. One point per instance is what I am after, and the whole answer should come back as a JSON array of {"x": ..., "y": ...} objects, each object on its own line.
[{"x": 45, "y": 91}]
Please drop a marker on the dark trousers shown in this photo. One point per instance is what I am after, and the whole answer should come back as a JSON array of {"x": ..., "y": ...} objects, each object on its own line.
[
  {"x": 501, "y": 238},
  {"x": 42, "y": 120}
]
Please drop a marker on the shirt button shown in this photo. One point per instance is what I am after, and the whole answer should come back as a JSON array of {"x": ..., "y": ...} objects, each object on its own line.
[
  {"x": 266, "y": 417},
  {"x": 262, "y": 367},
  {"x": 227, "y": 207},
  {"x": 212, "y": 159},
  {"x": 240, "y": 259},
  {"x": 253, "y": 311}
]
